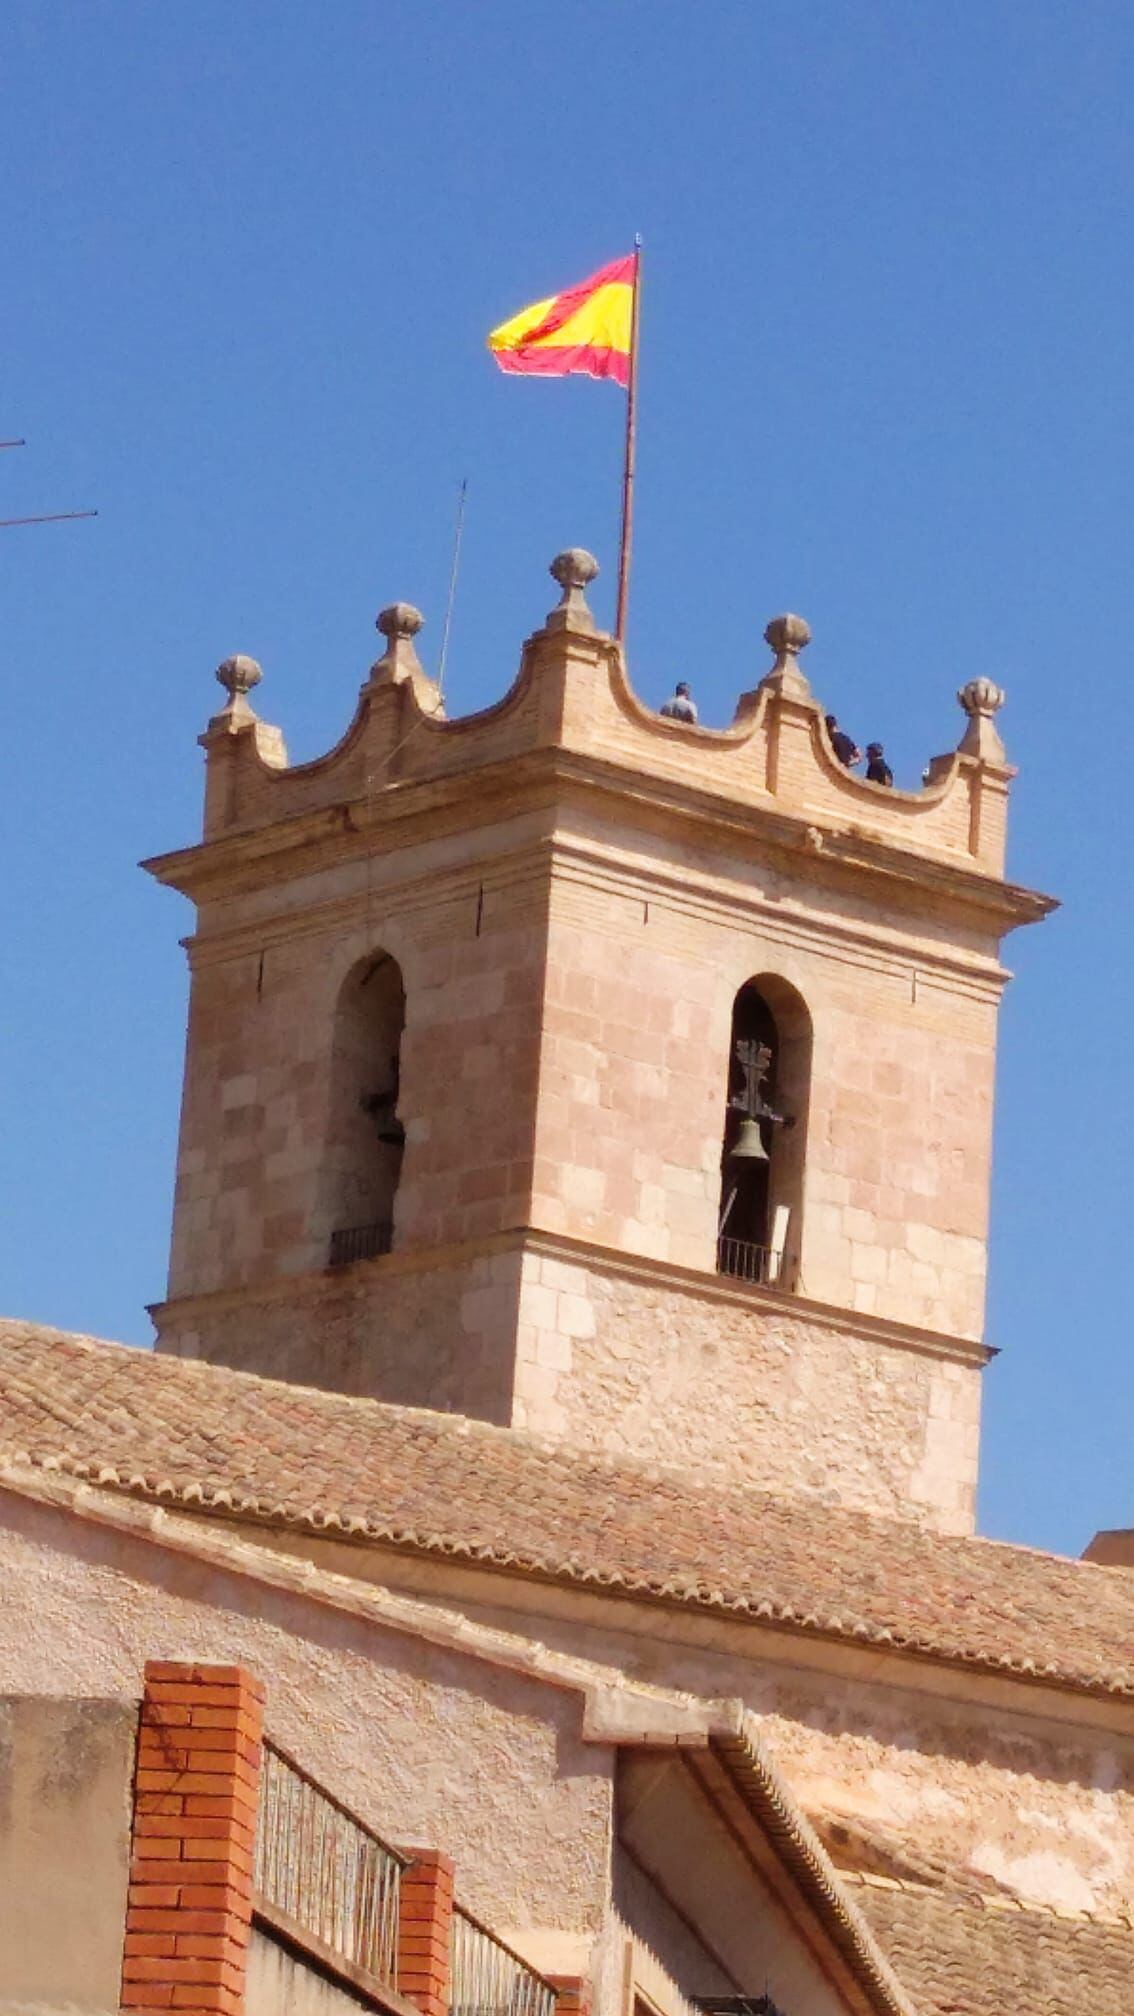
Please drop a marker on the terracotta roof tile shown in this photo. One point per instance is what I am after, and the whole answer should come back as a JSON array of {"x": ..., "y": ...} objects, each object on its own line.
[
  {"x": 200, "y": 1435},
  {"x": 963, "y": 1955}
]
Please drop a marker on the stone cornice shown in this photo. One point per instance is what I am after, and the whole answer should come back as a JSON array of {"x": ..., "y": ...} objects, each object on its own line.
[
  {"x": 532, "y": 863},
  {"x": 403, "y": 813},
  {"x": 665, "y": 1274}
]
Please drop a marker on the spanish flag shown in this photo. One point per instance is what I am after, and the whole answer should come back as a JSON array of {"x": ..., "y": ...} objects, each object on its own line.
[{"x": 588, "y": 328}]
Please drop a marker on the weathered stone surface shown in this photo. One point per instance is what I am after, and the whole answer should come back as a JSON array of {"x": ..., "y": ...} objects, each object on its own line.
[{"x": 573, "y": 898}]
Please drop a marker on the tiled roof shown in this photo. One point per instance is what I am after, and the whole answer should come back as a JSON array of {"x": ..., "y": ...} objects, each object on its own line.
[
  {"x": 206, "y": 1438},
  {"x": 967, "y": 1955},
  {"x": 839, "y": 1907}
]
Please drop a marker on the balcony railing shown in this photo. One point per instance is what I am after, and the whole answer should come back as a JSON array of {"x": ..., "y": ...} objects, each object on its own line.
[
  {"x": 360, "y": 1242},
  {"x": 489, "y": 1979},
  {"x": 322, "y": 1866},
  {"x": 746, "y": 1262}
]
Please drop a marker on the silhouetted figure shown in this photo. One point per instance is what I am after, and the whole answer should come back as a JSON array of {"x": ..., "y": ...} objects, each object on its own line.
[
  {"x": 878, "y": 771},
  {"x": 682, "y": 706},
  {"x": 845, "y": 748}
]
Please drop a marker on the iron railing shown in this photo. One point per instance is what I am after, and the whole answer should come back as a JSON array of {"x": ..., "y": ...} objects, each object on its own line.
[
  {"x": 360, "y": 1242},
  {"x": 746, "y": 1262},
  {"x": 316, "y": 1861},
  {"x": 488, "y": 1979}
]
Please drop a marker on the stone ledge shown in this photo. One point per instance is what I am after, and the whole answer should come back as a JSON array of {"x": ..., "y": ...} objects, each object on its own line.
[
  {"x": 664, "y": 1274},
  {"x": 346, "y": 828},
  {"x": 562, "y": 856}
]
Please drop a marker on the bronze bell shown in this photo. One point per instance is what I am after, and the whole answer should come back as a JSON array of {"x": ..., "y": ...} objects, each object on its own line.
[
  {"x": 749, "y": 1143},
  {"x": 381, "y": 1108}
]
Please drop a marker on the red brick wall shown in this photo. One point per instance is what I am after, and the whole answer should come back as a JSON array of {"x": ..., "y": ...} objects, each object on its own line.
[
  {"x": 195, "y": 1791},
  {"x": 572, "y": 1997},
  {"x": 425, "y": 1921}
]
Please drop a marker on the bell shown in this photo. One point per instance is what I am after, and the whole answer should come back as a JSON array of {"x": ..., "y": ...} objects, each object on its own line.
[
  {"x": 381, "y": 1108},
  {"x": 749, "y": 1144}
]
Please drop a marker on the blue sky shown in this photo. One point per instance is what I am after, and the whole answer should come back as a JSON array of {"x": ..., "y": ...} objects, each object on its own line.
[{"x": 250, "y": 255}]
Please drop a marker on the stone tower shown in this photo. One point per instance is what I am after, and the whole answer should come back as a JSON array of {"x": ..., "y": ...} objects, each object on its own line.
[{"x": 591, "y": 1071}]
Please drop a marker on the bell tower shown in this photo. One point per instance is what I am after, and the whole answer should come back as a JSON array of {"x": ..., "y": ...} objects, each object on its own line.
[{"x": 587, "y": 1070}]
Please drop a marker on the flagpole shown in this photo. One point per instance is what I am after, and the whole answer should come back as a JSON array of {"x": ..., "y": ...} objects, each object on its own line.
[{"x": 628, "y": 463}]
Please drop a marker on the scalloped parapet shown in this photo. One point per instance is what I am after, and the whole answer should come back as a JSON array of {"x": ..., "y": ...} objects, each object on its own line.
[{"x": 572, "y": 695}]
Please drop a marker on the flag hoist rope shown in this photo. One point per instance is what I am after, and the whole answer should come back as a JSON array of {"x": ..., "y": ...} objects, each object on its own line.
[{"x": 628, "y": 464}]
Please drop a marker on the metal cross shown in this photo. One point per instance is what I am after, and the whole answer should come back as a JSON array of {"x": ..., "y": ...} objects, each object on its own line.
[{"x": 755, "y": 1060}]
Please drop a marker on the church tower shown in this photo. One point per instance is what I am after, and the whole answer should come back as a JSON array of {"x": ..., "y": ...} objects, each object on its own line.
[{"x": 591, "y": 1071}]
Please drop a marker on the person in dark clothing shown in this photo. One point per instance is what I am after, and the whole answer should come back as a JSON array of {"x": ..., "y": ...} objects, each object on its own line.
[
  {"x": 682, "y": 706},
  {"x": 845, "y": 748},
  {"x": 878, "y": 771}
]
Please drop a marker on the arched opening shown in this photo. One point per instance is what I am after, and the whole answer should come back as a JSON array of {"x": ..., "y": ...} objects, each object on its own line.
[
  {"x": 365, "y": 1135},
  {"x": 765, "y": 1127}
]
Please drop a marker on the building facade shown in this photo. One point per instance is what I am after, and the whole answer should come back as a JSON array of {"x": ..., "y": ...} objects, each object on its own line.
[{"x": 563, "y": 1428}]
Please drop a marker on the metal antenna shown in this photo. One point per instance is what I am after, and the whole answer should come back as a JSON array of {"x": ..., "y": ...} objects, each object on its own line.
[
  {"x": 43, "y": 517},
  {"x": 46, "y": 518},
  {"x": 461, "y": 495}
]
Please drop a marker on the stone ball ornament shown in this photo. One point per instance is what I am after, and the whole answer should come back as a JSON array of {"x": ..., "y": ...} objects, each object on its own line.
[
  {"x": 788, "y": 634},
  {"x": 574, "y": 568},
  {"x": 399, "y": 619},
  {"x": 981, "y": 696},
  {"x": 238, "y": 675}
]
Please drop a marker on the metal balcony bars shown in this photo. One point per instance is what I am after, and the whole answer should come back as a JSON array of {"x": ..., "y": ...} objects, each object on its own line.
[
  {"x": 744, "y": 1261},
  {"x": 488, "y": 1979},
  {"x": 360, "y": 1242},
  {"x": 324, "y": 1868}
]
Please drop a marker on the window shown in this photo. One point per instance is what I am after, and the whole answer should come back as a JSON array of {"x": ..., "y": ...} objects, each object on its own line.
[
  {"x": 365, "y": 1135},
  {"x": 765, "y": 1119}
]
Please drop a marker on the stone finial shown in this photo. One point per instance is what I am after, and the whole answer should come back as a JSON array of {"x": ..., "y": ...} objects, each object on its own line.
[
  {"x": 788, "y": 635},
  {"x": 401, "y": 619},
  {"x": 981, "y": 696},
  {"x": 238, "y": 675},
  {"x": 573, "y": 570},
  {"x": 399, "y": 625},
  {"x": 982, "y": 700}
]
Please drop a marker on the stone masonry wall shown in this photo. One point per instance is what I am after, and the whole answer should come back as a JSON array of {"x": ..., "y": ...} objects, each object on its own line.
[
  {"x": 569, "y": 977},
  {"x": 439, "y": 1335},
  {"x": 642, "y": 972},
  {"x": 250, "y": 1200},
  {"x": 730, "y": 1382},
  {"x": 564, "y": 1068},
  {"x": 594, "y": 1351}
]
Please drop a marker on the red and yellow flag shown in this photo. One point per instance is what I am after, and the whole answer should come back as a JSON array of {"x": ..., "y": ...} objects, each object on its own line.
[{"x": 588, "y": 328}]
